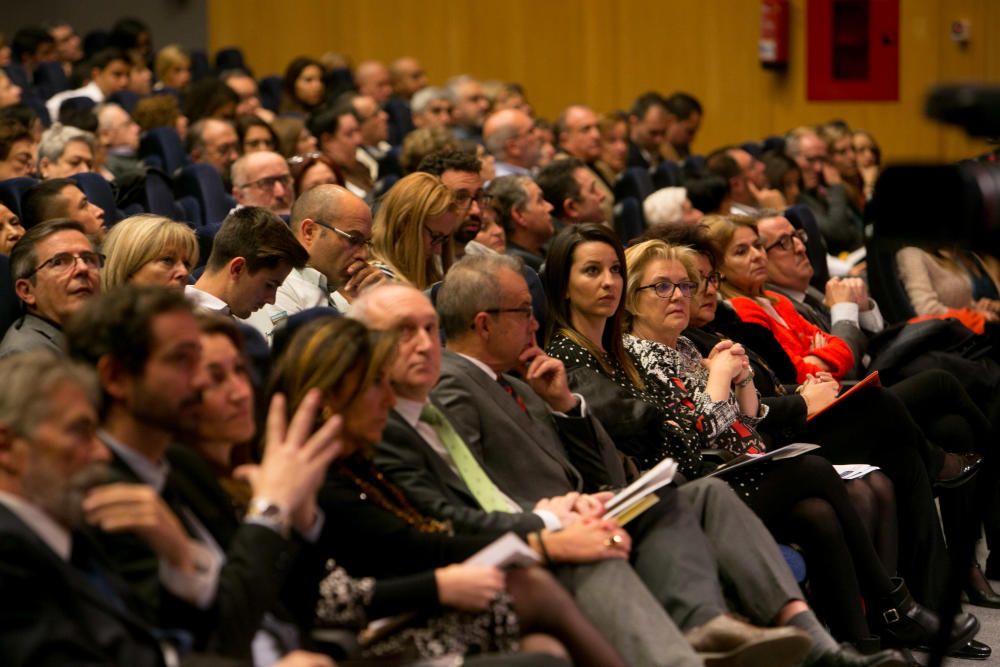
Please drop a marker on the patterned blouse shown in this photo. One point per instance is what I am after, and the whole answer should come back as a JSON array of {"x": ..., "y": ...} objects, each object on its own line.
[{"x": 724, "y": 424}]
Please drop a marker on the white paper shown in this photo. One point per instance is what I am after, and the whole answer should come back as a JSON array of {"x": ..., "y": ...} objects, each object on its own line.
[
  {"x": 509, "y": 550},
  {"x": 656, "y": 477}
]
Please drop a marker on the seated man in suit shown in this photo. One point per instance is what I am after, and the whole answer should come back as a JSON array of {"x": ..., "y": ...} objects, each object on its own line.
[
  {"x": 55, "y": 271},
  {"x": 447, "y": 478},
  {"x": 182, "y": 572},
  {"x": 54, "y": 611},
  {"x": 536, "y": 439}
]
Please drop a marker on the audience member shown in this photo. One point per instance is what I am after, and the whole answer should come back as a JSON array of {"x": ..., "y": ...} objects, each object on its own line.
[
  {"x": 460, "y": 171},
  {"x": 255, "y": 135},
  {"x": 69, "y": 48},
  {"x": 432, "y": 107},
  {"x": 172, "y": 68},
  {"x": 55, "y": 270},
  {"x": 31, "y": 46},
  {"x": 470, "y": 108},
  {"x": 214, "y": 142},
  {"x": 263, "y": 179},
  {"x": 70, "y": 607},
  {"x": 335, "y": 228},
  {"x": 748, "y": 189},
  {"x": 64, "y": 151},
  {"x": 140, "y": 77},
  {"x": 869, "y": 158},
  {"x": 408, "y": 77},
  {"x": 246, "y": 89},
  {"x": 118, "y": 133},
  {"x": 684, "y": 118},
  {"x": 131, "y": 34},
  {"x": 11, "y": 229},
  {"x": 525, "y": 215},
  {"x": 423, "y": 142},
  {"x": 149, "y": 249},
  {"x": 17, "y": 150},
  {"x": 294, "y": 137},
  {"x": 412, "y": 230},
  {"x": 373, "y": 125},
  {"x": 339, "y": 137},
  {"x": 511, "y": 137},
  {"x": 209, "y": 98},
  {"x": 10, "y": 93},
  {"x": 373, "y": 80},
  {"x": 579, "y": 137},
  {"x": 669, "y": 206},
  {"x": 783, "y": 174},
  {"x": 648, "y": 121},
  {"x": 108, "y": 74},
  {"x": 252, "y": 254},
  {"x": 62, "y": 198},
  {"x": 160, "y": 111},
  {"x": 313, "y": 169},
  {"x": 573, "y": 192},
  {"x": 302, "y": 88},
  {"x": 614, "y": 147}
]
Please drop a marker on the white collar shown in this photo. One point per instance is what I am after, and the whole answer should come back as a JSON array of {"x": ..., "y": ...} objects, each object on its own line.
[
  {"x": 206, "y": 301},
  {"x": 410, "y": 410},
  {"x": 45, "y": 527},
  {"x": 481, "y": 366}
]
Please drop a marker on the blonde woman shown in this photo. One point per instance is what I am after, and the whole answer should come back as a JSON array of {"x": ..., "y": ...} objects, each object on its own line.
[
  {"x": 412, "y": 230},
  {"x": 149, "y": 250},
  {"x": 172, "y": 67}
]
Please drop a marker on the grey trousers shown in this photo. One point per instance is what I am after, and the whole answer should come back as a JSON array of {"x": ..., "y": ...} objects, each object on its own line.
[{"x": 749, "y": 561}]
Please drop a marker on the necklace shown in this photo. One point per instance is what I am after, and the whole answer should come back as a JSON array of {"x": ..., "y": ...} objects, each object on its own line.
[{"x": 397, "y": 505}]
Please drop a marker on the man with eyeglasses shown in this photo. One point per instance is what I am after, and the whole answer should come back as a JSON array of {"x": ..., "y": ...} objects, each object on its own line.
[
  {"x": 373, "y": 123},
  {"x": 822, "y": 191},
  {"x": 119, "y": 133},
  {"x": 55, "y": 270},
  {"x": 263, "y": 179},
  {"x": 432, "y": 107},
  {"x": 846, "y": 310},
  {"x": 459, "y": 171},
  {"x": 335, "y": 228}
]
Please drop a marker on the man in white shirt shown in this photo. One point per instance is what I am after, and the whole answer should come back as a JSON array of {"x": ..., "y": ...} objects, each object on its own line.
[
  {"x": 252, "y": 254},
  {"x": 108, "y": 74},
  {"x": 335, "y": 228}
]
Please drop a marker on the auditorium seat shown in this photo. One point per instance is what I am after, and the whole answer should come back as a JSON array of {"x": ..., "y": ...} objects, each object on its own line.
[
  {"x": 50, "y": 78},
  {"x": 10, "y": 305},
  {"x": 126, "y": 99},
  {"x": 884, "y": 284},
  {"x": 634, "y": 182},
  {"x": 204, "y": 184},
  {"x": 165, "y": 144},
  {"x": 694, "y": 163},
  {"x": 12, "y": 190},
  {"x": 667, "y": 175},
  {"x": 229, "y": 58},
  {"x": 774, "y": 143},
  {"x": 269, "y": 90},
  {"x": 199, "y": 65},
  {"x": 629, "y": 222},
  {"x": 755, "y": 148}
]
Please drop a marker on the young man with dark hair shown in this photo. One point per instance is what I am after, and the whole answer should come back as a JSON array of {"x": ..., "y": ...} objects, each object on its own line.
[
  {"x": 648, "y": 122},
  {"x": 108, "y": 74},
  {"x": 573, "y": 191},
  {"x": 62, "y": 198},
  {"x": 252, "y": 255}
]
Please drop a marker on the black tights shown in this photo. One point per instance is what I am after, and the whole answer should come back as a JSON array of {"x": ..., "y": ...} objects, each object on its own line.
[
  {"x": 874, "y": 500},
  {"x": 803, "y": 501}
]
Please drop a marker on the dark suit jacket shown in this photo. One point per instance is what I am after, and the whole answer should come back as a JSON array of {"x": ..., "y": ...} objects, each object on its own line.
[
  {"x": 51, "y": 614},
  {"x": 531, "y": 455},
  {"x": 254, "y": 571},
  {"x": 635, "y": 157}
]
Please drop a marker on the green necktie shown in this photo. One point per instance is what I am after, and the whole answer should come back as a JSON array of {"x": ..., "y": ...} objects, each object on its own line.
[{"x": 481, "y": 486}]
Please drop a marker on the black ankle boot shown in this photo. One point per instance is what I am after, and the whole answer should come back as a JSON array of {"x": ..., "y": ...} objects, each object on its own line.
[{"x": 904, "y": 622}]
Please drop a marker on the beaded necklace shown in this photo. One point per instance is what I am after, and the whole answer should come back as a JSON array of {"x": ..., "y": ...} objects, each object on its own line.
[{"x": 397, "y": 505}]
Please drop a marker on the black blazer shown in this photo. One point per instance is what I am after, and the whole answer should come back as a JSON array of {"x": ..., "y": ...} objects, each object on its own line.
[{"x": 51, "y": 614}]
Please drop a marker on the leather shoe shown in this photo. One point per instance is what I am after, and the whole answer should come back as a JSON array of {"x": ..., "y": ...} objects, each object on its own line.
[
  {"x": 965, "y": 467},
  {"x": 848, "y": 656},
  {"x": 979, "y": 591},
  {"x": 973, "y": 650},
  {"x": 905, "y": 623},
  {"x": 728, "y": 642}
]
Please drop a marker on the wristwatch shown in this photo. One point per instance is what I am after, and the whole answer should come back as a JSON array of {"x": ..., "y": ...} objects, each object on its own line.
[
  {"x": 266, "y": 512},
  {"x": 747, "y": 380}
]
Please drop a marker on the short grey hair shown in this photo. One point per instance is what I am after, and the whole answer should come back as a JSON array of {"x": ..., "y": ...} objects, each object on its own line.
[
  {"x": 456, "y": 82},
  {"x": 471, "y": 286},
  {"x": 498, "y": 137},
  {"x": 665, "y": 206},
  {"x": 793, "y": 140},
  {"x": 509, "y": 193},
  {"x": 30, "y": 378},
  {"x": 56, "y": 138},
  {"x": 423, "y": 98}
]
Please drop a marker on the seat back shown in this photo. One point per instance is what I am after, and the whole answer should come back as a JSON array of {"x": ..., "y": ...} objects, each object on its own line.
[
  {"x": 667, "y": 175},
  {"x": 12, "y": 190},
  {"x": 754, "y": 148},
  {"x": 269, "y": 90},
  {"x": 99, "y": 192},
  {"x": 50, "y": 78},
  {"x": 126, "y": 99},
  {"x": 10, "y": 305},
  {"x": 635, "y": 182},
  {"x": 204, "y": 184},
  {"x": 158, "y": 196},
  {"x": 199, "y": 65},
  {"x": 693, "y": 163},
  {"x": 165, "y": 144},
  {"x": 884, "y": 284},
  {"x": 629, "y": 222},
  {"x": 230, "y": 58}
]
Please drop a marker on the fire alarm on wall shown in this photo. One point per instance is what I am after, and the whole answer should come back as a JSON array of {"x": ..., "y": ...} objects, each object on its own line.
[{"x": 960, "y": 31}]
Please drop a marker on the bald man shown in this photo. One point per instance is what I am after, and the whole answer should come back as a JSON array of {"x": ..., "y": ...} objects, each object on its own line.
[
  {"x": 579, "y": 137},
  {"x": 335, "y": 228},
  {"x": 372, "y": 79},
  {"x": 408, "y": 77},
  {"x": 511, "y": 137},
  {"x": 263, "y": 179}
]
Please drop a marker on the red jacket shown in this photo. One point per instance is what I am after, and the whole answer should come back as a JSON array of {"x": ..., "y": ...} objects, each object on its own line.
[{"x": 797, "y": 337}]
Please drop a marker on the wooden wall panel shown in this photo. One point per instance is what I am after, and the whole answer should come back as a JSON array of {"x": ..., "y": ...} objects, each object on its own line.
[{"x": 605, "y": 53}]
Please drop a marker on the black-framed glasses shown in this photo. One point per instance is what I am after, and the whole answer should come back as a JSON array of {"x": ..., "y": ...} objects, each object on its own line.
[
  {"x": 464, "y": 199},
  {"x": 437, "y": 238},
  {"x": 787, "y": 241},
  {"x": 63, "y": 262},
  {"x": 268, "y": 182},
  {"x": 353, "y": 239},
  {"x": 665, "y": 289},
  {"x": 714, "y": 279}
]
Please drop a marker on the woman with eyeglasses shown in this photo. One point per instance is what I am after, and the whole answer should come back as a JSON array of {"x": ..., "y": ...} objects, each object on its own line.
[
  {"x": 413, "y": 228},
  {"x": 801, "y": 500}
]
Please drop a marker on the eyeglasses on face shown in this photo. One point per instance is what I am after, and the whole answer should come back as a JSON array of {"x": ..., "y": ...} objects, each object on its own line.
[
  {"x": 463, "y": 199},
  {"x": 787, "y": 241},
  {"x": 526, "y": 311},
  {"x": 63, "y": 262},
  {"x": 354, "y": 239},
  {"x": 665, "y": 289},
  {"x": 437, "y": 238},
  {"x": 714, "y": 279},
  {"x": 269, "y": 182}
]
